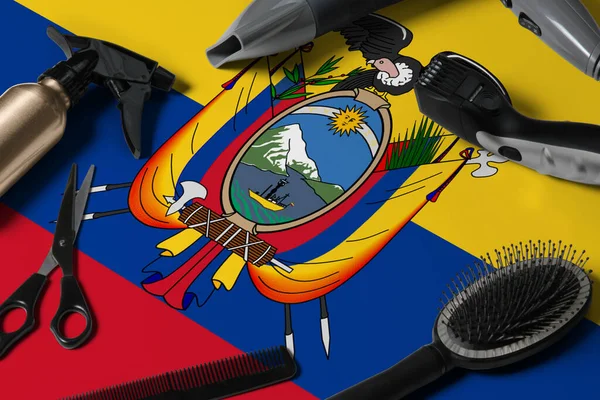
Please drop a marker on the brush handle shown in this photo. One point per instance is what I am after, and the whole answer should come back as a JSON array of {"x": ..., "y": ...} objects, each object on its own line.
[{"x": 415, "y": 371}]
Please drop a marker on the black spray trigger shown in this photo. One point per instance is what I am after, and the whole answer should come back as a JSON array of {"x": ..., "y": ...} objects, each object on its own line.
[
  {"x": 131, "y": 104},
  {"x": 129, "y": 76}
]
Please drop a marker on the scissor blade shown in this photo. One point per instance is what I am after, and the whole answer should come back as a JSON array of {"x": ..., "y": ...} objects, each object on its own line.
[
  {"x": 81, "y": 199},
  {"x": 48, "y": 265},
  {"x": 64, "y": 235},
  {"x": 80, "y": 202}
]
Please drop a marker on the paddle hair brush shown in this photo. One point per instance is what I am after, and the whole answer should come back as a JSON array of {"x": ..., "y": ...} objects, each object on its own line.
[
  {"x": 214, "y": 380},
  {"x": 493, "y": 317}
]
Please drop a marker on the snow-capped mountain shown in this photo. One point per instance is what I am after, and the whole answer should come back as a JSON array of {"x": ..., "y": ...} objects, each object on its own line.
[{"x": 280, "y": 148}]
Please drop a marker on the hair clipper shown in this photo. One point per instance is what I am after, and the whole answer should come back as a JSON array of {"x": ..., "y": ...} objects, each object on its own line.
[{"x": 469, "y": 101}]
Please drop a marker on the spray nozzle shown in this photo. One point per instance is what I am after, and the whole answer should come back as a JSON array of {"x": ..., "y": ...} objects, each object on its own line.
[{"x": 128, "y": 75}]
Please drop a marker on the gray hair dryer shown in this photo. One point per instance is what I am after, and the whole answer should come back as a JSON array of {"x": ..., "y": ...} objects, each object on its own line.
[{"x": 564, "y": 25}]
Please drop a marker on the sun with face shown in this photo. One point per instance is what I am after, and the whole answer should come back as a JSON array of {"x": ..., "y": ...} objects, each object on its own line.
[{"x": 347, "y": 121}]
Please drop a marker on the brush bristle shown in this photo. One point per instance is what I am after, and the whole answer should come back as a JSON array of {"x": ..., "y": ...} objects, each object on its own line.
[
  {"x": 520, "y": 291},
  {"x": 271, "y": 365}
]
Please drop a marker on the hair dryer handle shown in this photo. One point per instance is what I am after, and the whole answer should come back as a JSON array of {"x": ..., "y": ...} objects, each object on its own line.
[{"x": 346, "y": 12}]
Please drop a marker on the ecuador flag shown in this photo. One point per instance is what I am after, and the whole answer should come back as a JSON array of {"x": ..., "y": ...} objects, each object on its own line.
[{"x": 276, "y": 205}]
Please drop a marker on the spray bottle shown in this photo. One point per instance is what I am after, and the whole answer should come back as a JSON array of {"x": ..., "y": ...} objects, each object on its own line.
[{"x": 33, "y": 116}]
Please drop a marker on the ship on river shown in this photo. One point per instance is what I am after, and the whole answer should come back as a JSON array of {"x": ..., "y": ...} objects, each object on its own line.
[{"x": 269, "y": 198}]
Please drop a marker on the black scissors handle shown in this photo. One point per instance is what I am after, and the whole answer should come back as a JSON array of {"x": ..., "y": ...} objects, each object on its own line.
[
  {"x": 25, "y": 298},
  {"x": 71, "y": 301}
]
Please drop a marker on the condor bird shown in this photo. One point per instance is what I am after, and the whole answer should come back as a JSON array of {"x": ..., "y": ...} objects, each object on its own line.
[{"x": 380, "y": 40}]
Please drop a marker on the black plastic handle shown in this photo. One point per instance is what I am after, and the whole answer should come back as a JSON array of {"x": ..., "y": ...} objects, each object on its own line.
[
  {"x": 71, "y": 301},
  {"x": 415, "y": 371},
  {"x": 571, "y": 135},
  {"x": 25, "y": 298}
]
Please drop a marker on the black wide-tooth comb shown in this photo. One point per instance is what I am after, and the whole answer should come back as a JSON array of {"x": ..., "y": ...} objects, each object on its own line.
[
  {"x": 493, "y": 317},
  {"x": 214, "y": 380}
]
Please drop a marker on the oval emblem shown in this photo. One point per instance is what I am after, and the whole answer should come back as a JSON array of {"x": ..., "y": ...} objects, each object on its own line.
[{"x": 307, "y": 160}]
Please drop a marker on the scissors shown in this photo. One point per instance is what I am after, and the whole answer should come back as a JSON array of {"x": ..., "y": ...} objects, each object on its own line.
[{"x": 72, "y": 299}]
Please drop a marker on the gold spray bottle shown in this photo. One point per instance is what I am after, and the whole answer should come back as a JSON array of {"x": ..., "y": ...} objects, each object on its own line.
[{"x": 33, "y": 116}]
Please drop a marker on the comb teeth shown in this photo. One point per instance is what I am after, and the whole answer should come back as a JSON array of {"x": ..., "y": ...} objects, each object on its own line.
[
  {"x": 443, "y": 75},
  {"x": 215, "y": 379},
  {"x": 518, "y": 292}
]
